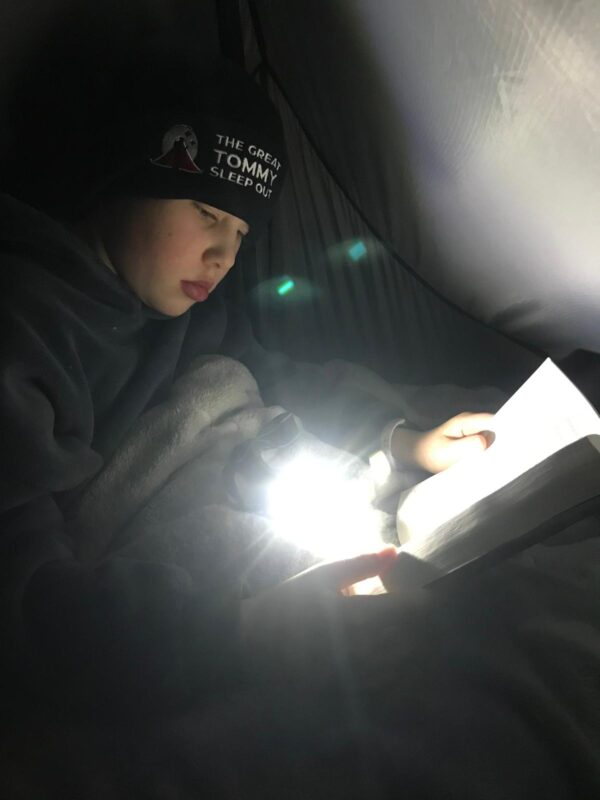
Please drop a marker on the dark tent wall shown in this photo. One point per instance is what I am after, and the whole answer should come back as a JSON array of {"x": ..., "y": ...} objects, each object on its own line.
[
  {"x": 58, "y": 57},
  {"x": 468, "y": 133}
]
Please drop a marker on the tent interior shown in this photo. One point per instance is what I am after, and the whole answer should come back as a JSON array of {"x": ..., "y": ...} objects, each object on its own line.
[
  {"x": 439, "y": 224},
  {"x": 439, "y": 221}
]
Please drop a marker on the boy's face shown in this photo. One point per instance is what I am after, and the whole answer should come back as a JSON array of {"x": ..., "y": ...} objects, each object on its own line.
[{"x": 172, "y": 253}]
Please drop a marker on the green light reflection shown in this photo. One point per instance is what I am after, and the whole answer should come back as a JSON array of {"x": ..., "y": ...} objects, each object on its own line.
[
  {"x": 285, "y": 287},
  {"x": 357, "y": 251}
]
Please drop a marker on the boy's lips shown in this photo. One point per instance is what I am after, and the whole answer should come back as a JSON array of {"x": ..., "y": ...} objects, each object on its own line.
[{"x": 196, "y": 290}]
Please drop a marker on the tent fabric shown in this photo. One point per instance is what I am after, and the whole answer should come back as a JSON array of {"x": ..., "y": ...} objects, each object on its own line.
[
  {"x": 467, "y": 133},
  {"x": 354, "y": 296}
]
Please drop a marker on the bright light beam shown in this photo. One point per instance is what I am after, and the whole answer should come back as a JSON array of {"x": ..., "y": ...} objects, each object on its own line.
[{"x": 313, "y": 504}]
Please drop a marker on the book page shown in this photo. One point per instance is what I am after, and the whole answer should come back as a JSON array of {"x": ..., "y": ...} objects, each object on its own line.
[{"x": 546, "y": 414}]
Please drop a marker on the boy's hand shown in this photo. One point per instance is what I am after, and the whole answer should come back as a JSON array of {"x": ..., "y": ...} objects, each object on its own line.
[
  {"x": 441, "y": 447},
  {"x": 295, "y": 628}
]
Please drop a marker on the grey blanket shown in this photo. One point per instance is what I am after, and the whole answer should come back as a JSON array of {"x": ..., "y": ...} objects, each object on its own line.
[
  {"x": 490, "y": 691},
  {"x": 163, "y": 495}
]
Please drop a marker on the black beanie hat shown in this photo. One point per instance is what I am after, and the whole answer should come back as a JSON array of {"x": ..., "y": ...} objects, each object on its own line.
[{"x": 197, "y": 131}]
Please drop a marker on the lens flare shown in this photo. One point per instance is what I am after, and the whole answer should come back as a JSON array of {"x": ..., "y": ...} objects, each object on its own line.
[
  {"x": 357, "y": 251},
  {"x": 286, "y": 287}
]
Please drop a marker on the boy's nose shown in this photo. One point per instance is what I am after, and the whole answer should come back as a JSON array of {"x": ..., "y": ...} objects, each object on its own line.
[{"x": 222, "y": 252}]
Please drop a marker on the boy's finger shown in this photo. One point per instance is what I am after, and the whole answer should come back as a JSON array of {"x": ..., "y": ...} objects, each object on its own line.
[
  {"x": 341, "y": 574},
  {"x": 468, "y": 424}
]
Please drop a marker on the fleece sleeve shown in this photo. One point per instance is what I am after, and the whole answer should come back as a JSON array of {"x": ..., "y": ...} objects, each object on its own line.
[
  {"x": 104, "y": 633},
  {"x": 342, "y": 412}
]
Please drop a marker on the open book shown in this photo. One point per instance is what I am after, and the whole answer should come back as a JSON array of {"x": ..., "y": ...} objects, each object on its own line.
[{"x": 545, "y": 461}]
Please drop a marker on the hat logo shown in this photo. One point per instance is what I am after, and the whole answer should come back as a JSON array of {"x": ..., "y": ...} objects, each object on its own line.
[{"x": 179, "y": 150}]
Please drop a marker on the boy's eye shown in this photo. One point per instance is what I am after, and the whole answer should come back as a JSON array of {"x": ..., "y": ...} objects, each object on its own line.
[{"x": 206, "y": 214}]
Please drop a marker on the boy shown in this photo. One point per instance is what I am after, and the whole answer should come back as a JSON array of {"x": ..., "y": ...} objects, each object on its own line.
[{"x": 99, "y": 315}]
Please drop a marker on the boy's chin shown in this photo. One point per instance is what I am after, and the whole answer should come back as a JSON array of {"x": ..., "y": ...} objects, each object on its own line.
[{"x": 170, "y": 308}]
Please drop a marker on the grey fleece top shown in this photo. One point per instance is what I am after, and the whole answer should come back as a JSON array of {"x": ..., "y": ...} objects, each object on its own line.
[{"x": 81, "y": 358}]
